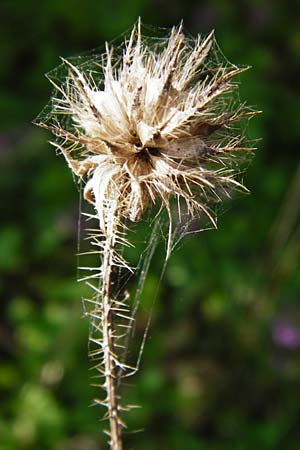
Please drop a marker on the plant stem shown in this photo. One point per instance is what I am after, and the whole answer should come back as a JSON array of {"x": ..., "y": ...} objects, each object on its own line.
[{"x": 110, "y": 367}]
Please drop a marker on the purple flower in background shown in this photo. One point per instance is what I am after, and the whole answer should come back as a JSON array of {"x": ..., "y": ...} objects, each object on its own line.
[{"x": 285, "y": 333}]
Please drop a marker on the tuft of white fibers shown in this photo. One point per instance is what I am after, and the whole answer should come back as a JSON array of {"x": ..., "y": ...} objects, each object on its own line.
[{"x": 154, "y": 121}]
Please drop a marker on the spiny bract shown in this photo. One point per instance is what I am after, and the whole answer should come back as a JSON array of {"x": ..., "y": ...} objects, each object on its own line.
[{"x": 159, "y": 126}]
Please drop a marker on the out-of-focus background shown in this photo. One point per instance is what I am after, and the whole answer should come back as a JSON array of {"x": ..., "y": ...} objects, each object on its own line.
[{"x": 221, "y": 367}]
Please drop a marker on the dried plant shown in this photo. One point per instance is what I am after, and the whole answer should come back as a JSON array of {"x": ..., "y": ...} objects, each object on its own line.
[{"x": 152, "y": 123}]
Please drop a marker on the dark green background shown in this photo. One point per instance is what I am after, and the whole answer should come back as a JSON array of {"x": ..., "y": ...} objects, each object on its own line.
[{"x": 221, "y": 368}]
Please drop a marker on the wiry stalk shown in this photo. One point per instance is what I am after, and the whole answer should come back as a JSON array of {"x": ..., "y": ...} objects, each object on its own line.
[
  {"x": 107, "y": 316},
  {"x": 108, "y": 331}
]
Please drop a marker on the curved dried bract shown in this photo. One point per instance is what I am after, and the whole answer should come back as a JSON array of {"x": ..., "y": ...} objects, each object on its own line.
[{"x": 151, "y": 123}]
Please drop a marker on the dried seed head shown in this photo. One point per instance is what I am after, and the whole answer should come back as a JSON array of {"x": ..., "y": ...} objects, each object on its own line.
[
  {"x": 157, "y": 122},
  {"x": 150, "y": 122}
]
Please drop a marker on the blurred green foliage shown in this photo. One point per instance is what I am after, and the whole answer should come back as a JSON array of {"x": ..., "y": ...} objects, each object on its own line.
[{"x": 221, "y": 366}]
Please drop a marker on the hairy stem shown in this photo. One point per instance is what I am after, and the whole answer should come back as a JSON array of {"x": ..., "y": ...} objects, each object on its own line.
[{"x": 110, "y": 367}]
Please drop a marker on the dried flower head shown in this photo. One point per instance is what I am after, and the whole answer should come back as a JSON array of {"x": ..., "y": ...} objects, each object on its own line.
[
  {"x": 152, "y": 123},
  {"x": 158, "y": 126}
]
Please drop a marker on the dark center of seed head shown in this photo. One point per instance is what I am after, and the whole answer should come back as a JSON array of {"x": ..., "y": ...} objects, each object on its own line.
[{"x": 146, "y": 152}]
